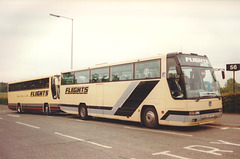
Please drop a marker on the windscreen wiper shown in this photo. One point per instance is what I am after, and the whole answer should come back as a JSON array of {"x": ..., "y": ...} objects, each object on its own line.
[
  {"x": 207, "y": 97},
  {"x": 219, "y": 97},
  {"x": 198, "y": 99}
]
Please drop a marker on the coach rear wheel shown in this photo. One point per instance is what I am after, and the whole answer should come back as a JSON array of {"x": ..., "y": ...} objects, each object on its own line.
[
  {"x": 82, "y": 112},
  {"x": 19, "y": 109},
  {"x": 150, "y": 118},
  {"x": 46, "y": 109}
]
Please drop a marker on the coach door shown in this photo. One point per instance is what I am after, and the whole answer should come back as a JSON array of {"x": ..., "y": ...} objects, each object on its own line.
[{"x": 55, "y": 88}]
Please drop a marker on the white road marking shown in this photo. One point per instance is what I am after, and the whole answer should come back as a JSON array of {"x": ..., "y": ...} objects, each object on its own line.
[
  {"x": 225, "y": 128},
  {"x": 82, "y": 140},
  {"x": 217, "y": 127},
  {"x": 206, "y": 149},
  {"x": 236, "y": 128},
  {"x": 1, "y": 118},
  {"x": 32, "y": 126},
  {"x": 15, "y": 116},
  {"x": 97, "y": 144},
  {"x": 158, "y": 131},
  {"x": 225, "y": 142},
  {"x": 220, "y": 127},
  {"x": 71, "y": 137},
  {"x": 168, "y": 154}
]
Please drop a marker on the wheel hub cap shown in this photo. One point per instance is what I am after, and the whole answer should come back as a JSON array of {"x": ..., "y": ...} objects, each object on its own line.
[{"x": 150, "y": 117}]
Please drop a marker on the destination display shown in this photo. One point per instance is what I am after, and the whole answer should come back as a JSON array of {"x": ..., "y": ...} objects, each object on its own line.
[{"x": 191, "y": 60}]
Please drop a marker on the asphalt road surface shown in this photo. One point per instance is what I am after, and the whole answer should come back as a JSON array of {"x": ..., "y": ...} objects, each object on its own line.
[{"x": 65, "y": 136}]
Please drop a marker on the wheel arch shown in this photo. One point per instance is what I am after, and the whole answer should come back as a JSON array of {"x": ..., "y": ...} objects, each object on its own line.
[
  {"x": 84, "y": 106},
  {"x": 145, "y": 107}
]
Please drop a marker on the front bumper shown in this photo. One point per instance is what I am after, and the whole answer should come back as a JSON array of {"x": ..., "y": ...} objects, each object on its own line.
[{"x": 187, "y": 119}]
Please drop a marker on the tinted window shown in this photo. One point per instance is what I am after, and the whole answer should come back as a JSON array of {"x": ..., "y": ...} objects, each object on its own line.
[
  {"x": 82, "y": 76},
  {"x": 174, "y": 81},
  {"x": 45, "y": 83},
  {"x": 68, "y": 78},
  {"x": 35, "y": 84},
  {"x": 172, "y": 70},
  {"x": 122, "y": 72},
  {"x": 100, "y": 74},
  {"x": 147, "y": 69}
]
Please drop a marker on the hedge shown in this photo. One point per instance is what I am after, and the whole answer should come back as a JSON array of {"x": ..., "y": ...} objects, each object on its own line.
[
  {"x": 3, "y": 101},
  {"x": 231, "y": 102},
  {"x": 3, "y": 98}
]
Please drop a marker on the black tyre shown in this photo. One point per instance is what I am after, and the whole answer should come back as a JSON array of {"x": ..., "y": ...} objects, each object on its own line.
[
  {"x": 82, "y": 112},
  {"x": 19, "y": 109},
  {"x": 150, "y": 117},
  {"x": 46, "y": 109}
]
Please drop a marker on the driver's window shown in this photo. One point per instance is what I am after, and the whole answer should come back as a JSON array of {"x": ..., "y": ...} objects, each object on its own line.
[
  {"x": 174, "y": 80},
  {"x": 172, "y": 71}
]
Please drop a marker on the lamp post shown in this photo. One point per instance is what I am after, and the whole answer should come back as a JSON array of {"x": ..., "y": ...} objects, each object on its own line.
[{"x": 59, "y": 16}]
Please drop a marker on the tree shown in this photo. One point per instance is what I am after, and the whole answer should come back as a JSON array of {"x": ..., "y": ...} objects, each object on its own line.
[
  {"x": 3, "y": 87},
  {"x": 228, "y": 87}
]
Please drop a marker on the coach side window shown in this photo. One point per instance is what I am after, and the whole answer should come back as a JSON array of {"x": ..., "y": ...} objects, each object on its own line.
[
  {"x": 44, "y": 83},
  {"x": 19, "y": 86},
  {"x": 68, "y": 78},
  {"x": 82, "y": 76},
  {"x": 122, "y": 72},
  {"x": 100, "y": 74},
  {"x": 147, "y": 69}
]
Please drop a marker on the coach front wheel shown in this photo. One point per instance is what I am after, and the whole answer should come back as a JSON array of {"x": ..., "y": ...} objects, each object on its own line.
[
  {"x": 82, "y": 112},
  {"x": 150, "y": 117}
]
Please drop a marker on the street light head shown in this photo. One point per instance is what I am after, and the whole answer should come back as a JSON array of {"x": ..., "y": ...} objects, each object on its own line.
[{"x": 58, "y": 16}]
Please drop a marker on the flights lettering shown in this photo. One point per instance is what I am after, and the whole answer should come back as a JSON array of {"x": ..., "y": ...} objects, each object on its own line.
[
  {"x": 76, "y": 90},
  {"x": 39, "y": 93},
  {"x": 196, "y": 60}
]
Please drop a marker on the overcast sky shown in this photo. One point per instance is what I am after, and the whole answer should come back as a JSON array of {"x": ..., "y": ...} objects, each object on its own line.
[{"x": 35, "y": 44}]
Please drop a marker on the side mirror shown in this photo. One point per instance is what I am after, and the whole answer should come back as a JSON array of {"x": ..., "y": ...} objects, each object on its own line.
[
  {"x": 223, "y": 74},
  {"x": 222, "y": 70}
]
